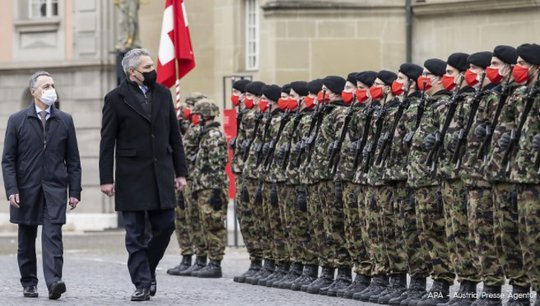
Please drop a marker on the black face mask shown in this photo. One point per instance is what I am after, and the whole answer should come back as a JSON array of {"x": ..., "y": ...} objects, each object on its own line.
[{"x": 149, "y": 77}]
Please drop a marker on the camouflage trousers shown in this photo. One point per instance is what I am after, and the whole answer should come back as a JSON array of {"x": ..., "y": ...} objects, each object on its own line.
[
  {"x": 274, "y": 226},
  {"x": 316, "y": 243},
  {"x": 332, "y": 212},
  {"x": 461, "y": 244},
  {"x": 253, "y": 216},
  {"x": 182, "y": 230},
  {"x": 394, "y": 196},
  {"x": 213, "y": 223},
  {"x": 430, "y": 218},
  {"x": 296, "y": 227},
  {"x": 482, "y": 229},
  {"x": 509, "y": 223},
  {"x": 373, "y": 208},
  {"x": 354, "y": 229},
  {"x": 529, "y": 205},
  {"x": 196, "y": 235},
  {"x": 244, "y": 213}
]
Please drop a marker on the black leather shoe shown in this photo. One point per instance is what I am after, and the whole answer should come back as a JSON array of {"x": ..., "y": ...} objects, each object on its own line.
[
  {"x": 56, "y": 289},
  {"x": 153, "y": 288},
  {"x": 141, "y": 294},
  {"x": 30, "y": 291}
]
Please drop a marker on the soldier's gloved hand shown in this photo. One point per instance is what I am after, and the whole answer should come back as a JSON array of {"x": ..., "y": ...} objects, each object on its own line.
[
  {"x": 258, "y": 195},
  {"x": 265, "y": 149},
  {"x": 339, "y": 191},
  {"x": 180, "y": 201},
  {"x": 429, "y": 142},
  {"x": 274, "y": 200},
  {"x": 232, "y": 144},
  {"x": 453, "y": 143},
  {"x": 504, "y": 141},
  {"x": 366, "y": 150},
  {"x": 480, "y": 132},
  {"x": 216, "y": 200},
  {"x": 536, "y": 143},
  {"x": 297, "y": 149},
  {"x": 301, "y": 200},
  {"x": 245, "y": 194},
  {"x": 281, "y": 154},
  {"x": 352, "y": 147},
  {"x": 195, "y": 195},
  {"x": 380, "y": 142}
]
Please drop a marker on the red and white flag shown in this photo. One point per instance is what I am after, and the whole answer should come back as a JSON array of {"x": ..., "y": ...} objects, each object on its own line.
[{"x": 174, "y": 45}]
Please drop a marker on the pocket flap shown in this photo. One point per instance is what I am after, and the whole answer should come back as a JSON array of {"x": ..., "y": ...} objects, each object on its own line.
[{"x": 126, "y": 152}]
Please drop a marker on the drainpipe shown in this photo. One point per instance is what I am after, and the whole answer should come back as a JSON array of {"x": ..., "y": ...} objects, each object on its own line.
[{"x": 408, "y": 30}]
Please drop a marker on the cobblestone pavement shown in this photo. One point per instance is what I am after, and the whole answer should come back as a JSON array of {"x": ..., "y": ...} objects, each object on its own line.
[{"x": 95, "y": 273}]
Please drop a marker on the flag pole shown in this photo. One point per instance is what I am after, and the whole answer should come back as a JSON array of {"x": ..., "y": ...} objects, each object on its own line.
[{"x": 178, "y": 103}]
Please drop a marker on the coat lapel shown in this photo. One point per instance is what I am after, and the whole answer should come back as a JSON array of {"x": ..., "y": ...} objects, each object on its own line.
[
  {"x": 131, "y": 101},
  {"x": 156, "y": 103}
]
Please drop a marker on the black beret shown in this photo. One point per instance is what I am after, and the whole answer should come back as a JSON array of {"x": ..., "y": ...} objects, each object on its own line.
[
  {"x": 436, "y": 66},
  {"x": 458, "y": 60},
  {"x": 272, "y": 92},
  {"x": 300, "y": 87},
  {"x": 506, "y": 54},
  {"x": 530, "y": 53},
  {"x": 366, "y": 77},
  {"x": 352, "y": 77},
  {"x": 480, "y": 59},
  {"x": 314, "y": 86},
  {"x": 412, "y": 71},
  {"x": 241, "y": 85},
  {"x": 334, "y": 83},
  {"x": 286, "y": 88},
  {"x": 388, "y": 77},
  {"x": 255, "y": 88}
]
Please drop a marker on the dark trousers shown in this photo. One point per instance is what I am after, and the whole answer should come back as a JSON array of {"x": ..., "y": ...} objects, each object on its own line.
[
  {"x": 144, "y": 253},
  {"x": 52, "y": 250}
]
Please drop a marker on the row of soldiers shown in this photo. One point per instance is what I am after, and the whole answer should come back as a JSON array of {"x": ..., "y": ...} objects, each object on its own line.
[{"x": 431, "y": 172}]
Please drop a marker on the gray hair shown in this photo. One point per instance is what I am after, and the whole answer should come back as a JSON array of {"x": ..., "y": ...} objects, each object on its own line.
[
  {"x": 35, "y": 76},
  {"x": 132, "y": 59}
]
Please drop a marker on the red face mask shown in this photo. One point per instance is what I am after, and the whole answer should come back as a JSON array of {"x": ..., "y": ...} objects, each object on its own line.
[
  {"x": 283, "y": 104},
  {"x": 361, "y": 95},
  {"x": 235, "y": 100},
  {"x": 493, "y": 75},
  {"x": 397, "y": 88},
  {"x": 322, "y": 98},
  {"x": 424, "y": 83},
  {"x": 309, "y": 102},
  {"x": 263, "y": 105},
  {"x": 520, "y": 73},
  {"x": 195, "y": 119},
  {"x": 448, "y": 82},
  {"x": 187, "y": 113},
  {"x": 248, "y": 103},
  {"x": 293, "y": 104},
  {"x": 471, "y": 77},
  {"x": 347, "y": 97},
  {"x": 376, "y": 92}
]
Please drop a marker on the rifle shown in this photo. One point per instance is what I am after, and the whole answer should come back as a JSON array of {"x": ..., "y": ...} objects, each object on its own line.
[
  {"x": 259, "y": 148},
  {"x": 313, "y": 137},
  {"x": 419, "y": 114},
  {"x": 335, "y": 147},
  {"x": 360, "y": 146},
  {"x": 516, "y": 133},
  {"x": 303, "y": 142},
  {"x": 296, "y": 122},
  {"x": 252, "y": 139},
  {"x": 273, "y": 143},
  {"x": 505, "y": 92},
  {"x": 388, "y": 136},
  {"x": 463, "y": 133},
  {"x": 435, "y": 152},
  {"x": 379, "y": 126}
]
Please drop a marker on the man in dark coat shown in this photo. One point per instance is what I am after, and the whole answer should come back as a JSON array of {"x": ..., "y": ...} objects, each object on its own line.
[
  {"x": 140, "y": 121},
  {"x": 40, "y": 165}
]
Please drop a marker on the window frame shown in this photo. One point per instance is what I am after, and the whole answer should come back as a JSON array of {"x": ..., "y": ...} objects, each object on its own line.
[
  {"x": 48, "y": 9},
  {"x": 252, "y": 38}
]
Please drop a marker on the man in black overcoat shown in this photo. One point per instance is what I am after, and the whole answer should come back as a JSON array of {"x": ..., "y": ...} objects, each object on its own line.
[
  {"x": 139, "y": 126},
  {"x": 41, "y": 168}
]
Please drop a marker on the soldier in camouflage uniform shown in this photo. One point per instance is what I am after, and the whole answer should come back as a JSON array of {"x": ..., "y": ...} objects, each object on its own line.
[
  {"x": 210, "y": 185},
  {"x": 523, "y": 171},
  {"x": 370, "y": 179},
  {"x": 188, "y": 231},
  {"x": 357, "y": 84}
]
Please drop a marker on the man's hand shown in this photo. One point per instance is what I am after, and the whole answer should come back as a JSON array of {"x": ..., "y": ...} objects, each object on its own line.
[
  {"x": 14, "y": 200},
  {"x": 108, "y": 189},
  {"x": 73, "y": 202},
  {"x": 180, "y": 183}
]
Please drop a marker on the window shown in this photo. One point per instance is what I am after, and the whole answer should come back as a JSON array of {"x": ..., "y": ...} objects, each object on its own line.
[
  {"x": 43, "y": 8},
  {"x": 252, "y": 35}
]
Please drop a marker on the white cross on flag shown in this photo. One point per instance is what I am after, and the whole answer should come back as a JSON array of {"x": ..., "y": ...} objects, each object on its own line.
[{"x": 174, "y": 45}]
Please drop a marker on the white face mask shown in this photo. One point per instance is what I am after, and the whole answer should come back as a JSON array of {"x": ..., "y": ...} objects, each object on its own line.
[{"x": 49, "y": 96}]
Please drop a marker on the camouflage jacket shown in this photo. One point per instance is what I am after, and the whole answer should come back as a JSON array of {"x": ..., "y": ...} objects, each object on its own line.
[
  {"x": 289, "y": 142},
  {"x": 245, "y": 132},
  {"x": 303, "y": 167},
  {"x": 271, "y": 171},
  {"x": 209, "y": 170},
  {"x": 345, "y": 170},
  {"x": 250, "y": 165},
  {"x": 371, "y": 111},
  {"x": 191, "y": 146}
]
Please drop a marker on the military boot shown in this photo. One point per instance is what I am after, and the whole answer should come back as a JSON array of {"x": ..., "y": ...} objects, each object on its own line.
[
  {"x": 267, "y": 269},
  {"x": 326, "y": 278},
  {"x": 200, "y": 262},
  {"x": 465, "y": 296},
  {"x": 295, "y": 271},
  {"x": 183, "y": 265},
  {"x": 437, "y": 294},
  {"x": 520, "y": 296},
  {"x": 360, "y": 283},
  {"x": 388, "y": 290},
  {"x": 343, "y": 280},
  {"x": 310, "y": 274},
  {"x": 378, "y": 284},
  {"x": 490, "y": 296},
  {"x": 399, "y": 285},
  {"x": 253, "y": 268},
  {"x": 279, "y": 274},
  {"x": 417, "y": 288},
  {"x": 212, "y": 270}
]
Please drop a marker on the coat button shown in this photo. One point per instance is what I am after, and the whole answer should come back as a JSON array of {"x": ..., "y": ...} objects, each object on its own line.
[
  {"x": 153, "y": 136},
  {"x": 155, "y": 159}
]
